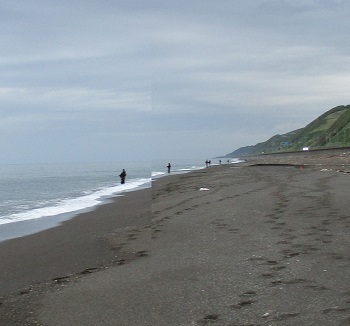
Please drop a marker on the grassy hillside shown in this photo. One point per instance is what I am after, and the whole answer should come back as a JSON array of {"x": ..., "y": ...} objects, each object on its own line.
[{"x": 331, "y": 129}]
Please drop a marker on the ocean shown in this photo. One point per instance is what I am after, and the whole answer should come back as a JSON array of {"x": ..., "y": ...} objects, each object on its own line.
[{"x": 34, "y": 197}]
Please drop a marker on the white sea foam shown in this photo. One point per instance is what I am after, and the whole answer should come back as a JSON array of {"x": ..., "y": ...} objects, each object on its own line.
[
  {"x": 157, "y": 174},
  {"x": 31, "y": 192},
  {"x": 70, "y": 205},
  {"x": 176, "y": 170},
  {"x": 237, "y": 160}
]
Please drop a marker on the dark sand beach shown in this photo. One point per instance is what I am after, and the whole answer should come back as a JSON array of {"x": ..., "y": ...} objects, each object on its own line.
[{"x": 266, "y": 243}]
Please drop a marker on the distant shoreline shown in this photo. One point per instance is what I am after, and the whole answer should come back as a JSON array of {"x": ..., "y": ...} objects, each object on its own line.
[
  {"x": 329, "y": 149},
  {"x": 336, "y": 158}
]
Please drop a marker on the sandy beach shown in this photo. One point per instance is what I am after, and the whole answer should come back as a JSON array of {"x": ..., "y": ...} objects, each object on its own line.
[{"x": 265, "y": 242}]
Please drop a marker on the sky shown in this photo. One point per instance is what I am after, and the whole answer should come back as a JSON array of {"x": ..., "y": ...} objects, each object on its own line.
[{"x": 110, "y": 80}]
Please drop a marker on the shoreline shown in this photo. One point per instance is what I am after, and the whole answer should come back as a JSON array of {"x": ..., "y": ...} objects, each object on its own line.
[
  {"x": 18, "y": 229},
  {"x": 87, "y": 240},
  {"x": 266, "y": 244},
  {"x": 23, "y": 228},
  {"x": 336, "y": 159}
]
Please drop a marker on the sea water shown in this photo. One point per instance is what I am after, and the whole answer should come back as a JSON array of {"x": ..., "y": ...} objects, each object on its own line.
[{"x": 34, "y": 197}]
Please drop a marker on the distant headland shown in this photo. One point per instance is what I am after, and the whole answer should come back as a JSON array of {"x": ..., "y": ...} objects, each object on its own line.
[{"x": 329, "y": 130}]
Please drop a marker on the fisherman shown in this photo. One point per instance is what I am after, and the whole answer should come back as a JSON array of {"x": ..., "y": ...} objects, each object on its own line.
[{"x": 122, "y": 177}]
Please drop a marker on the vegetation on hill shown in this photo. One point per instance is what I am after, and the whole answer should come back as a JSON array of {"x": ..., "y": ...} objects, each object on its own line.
[{"x": 330, "y": 130}]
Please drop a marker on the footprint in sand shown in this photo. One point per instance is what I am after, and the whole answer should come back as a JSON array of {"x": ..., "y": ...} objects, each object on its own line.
[
  {"x": 209, "y": 319},
  {"x": 61, "y": 279},
  {"x": 132, "y": 236},
  {"x": 247, "y": 294},
  {"x": 335, "y": 309},
  {"x": 283, "y": 317},
  {"x": 289, "y": 253},
  {"x": 290, "y": 282},
  {"x": 242, "y": 304},
  {"x": 316, "y": 287},
  {"x": 89, "y": 271},
  {"x": 141, "y": 253}
]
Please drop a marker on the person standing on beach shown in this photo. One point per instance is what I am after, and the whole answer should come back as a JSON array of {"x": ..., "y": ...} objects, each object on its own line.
[
  {"x": 169, "y": 167},
  {"x": 122, "y": 176}
]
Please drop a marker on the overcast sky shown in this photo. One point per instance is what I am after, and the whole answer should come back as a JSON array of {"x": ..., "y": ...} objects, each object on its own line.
[{"x": 109, "y": 80}]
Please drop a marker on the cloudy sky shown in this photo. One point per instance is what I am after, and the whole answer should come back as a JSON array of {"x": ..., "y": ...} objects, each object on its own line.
[{"x": 109, "y": 80}]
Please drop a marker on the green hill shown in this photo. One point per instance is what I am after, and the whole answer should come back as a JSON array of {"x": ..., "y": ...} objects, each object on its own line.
[{"x": 330, "y": 130}]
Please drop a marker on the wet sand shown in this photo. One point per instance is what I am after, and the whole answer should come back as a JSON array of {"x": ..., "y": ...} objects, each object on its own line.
[
  {"x": 266, "y": 244},
  {"x": 82, "y": 245}
]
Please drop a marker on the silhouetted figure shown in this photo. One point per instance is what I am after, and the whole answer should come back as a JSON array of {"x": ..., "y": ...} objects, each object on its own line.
[
  {"x": 206, "y": 163},
  {"x": 122, "y": 177},
  {"x": 169, "y": 167}
]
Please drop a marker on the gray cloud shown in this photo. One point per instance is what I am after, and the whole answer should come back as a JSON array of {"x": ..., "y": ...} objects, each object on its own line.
[
  {"x": 265, "y": 66},
  {"x": 113, "y": 79}
]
